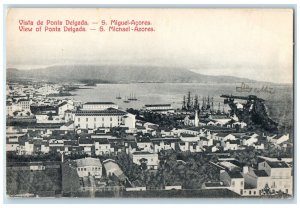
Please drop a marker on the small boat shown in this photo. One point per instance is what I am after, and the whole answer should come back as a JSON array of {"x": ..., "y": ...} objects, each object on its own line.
[
  {"x": 119, "y": 97},
  {"x": 126, "y": 101}
]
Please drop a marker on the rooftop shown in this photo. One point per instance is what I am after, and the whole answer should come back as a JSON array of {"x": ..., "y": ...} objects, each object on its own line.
[
  {"x": 99, "y": 103},
  {"x": 88, "y": 162},
  {"x": 157, "y": 105},
  {"x": 234, "y": 174},
  {"x": 143, "y": 153},
  {"x": 277, "y": 164},
  {"x": 260, "y": 173},
  {"x": 109, "y": 111}
]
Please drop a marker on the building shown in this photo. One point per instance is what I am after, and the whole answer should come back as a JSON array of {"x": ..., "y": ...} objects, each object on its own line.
[
  {"x": 161, "y": 108},
  {"x": 112, "y": 169},
  {"x": 24, "y": 104},
  {"x": 278, "y": 139},
  {"x": 102, "y": 146},
  {"x": 99, "y": 106},
  {"x": 63, "y": 107},
  {"x": 150, "y": 159},
  {"x": 233, "y": 180},
  {"x": 270, "y": 177},
  {"x": 88, "y": 167},
  {"x": 111, "y": 117}
]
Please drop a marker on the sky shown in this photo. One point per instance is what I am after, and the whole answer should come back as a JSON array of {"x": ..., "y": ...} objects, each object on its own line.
[{"x": 250, "y": 43}]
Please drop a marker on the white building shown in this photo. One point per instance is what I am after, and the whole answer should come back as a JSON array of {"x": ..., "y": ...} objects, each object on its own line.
[
  {"x": 233, "y": 180},
  {"x": 88, "y": 167},
  {"x": 150, "y": 159},
  {"x": 93, "y": 119},
  {"x": 276, "y": 139},
  {"x": 102, "y": 146},
  {"x": 272, "y": 175},
  {"x": 24, "y": 104},
  {"x": 162, "y": 108},
  {"x": 63, "y": 107}
]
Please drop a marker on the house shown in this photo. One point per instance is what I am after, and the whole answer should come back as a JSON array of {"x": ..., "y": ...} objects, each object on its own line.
[
  {"x": 234, "y": 180},
  {"x": 166, "y": 143},
  {"x": 223, "y": 137},
  {"x": 88, "y": 167},
  {"x": 230, "y": 145},
  {"x": 63, "y": 107},
  {"x": 148, "y": 158},
  {"x": 87, "y": 145},
  {"x": 205, "y": 142},
  {"x": 278, "y": 139},
  {"x": 280, "y": 174},
  {"x": 249, "y": 140},
  {"x": 112, "y": 169},
  {"x": 271, "y": 176},
  {"x": 144, "y": 144},
  {"x": 102, "y": 146}
]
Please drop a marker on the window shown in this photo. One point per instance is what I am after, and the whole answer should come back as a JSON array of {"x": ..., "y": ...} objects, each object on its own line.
[
  {"x": 110, "y": 118},
  {"x": 95, "y": 119},
  {"x": 84, "y": 169},
  {"x": 102, "y": 124},
  {"x": 249, "y": 192},
  {"x": 254, "y": 192},
  {"x": 242, "y": 183},
  {"x": 233, "y": 183},
  {"x": 78, "y": 119},
  {"x": 87, "y": 126},
  {"x": 102, "y": 118},
  {"x": 87, "y": 119}
]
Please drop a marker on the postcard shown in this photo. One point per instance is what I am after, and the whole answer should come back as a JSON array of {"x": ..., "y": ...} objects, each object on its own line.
[{"x": 150, "y": 103}]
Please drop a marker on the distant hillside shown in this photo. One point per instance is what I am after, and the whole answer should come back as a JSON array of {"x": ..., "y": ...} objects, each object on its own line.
[{"x": 117, "y": 74}]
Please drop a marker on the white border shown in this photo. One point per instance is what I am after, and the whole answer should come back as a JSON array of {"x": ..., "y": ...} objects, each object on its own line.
[{"x": 227, "y": 203}]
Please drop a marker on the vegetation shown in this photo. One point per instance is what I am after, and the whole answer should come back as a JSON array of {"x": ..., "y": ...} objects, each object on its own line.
[
  {"x": 13, "y": 157},
  {"x": 190, "y": 174},
  {"x": 164, "y": 121}
]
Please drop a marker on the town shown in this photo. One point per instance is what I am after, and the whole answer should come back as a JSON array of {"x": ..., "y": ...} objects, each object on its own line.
[{"x": 58, "y": 146}]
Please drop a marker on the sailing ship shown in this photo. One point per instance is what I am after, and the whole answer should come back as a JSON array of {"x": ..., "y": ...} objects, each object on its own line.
[
  {"x": 244, "y": 88},
  {"x": 132, "y": 97}
]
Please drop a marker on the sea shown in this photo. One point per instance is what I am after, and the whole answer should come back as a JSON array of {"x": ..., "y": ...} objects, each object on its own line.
[{"x": 278, "y": 97}]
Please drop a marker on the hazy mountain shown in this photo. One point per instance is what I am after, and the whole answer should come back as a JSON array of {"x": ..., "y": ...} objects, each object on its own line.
[{"x": 118, "y": 74}]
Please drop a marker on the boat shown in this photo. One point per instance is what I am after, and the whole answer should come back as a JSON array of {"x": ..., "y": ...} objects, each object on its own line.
[
  {"x": 126, "y": 101},
  {"x": 244, "y": 88},
  {"x": 132, "y": 97},
  {"x": 119, "y": 97}
]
